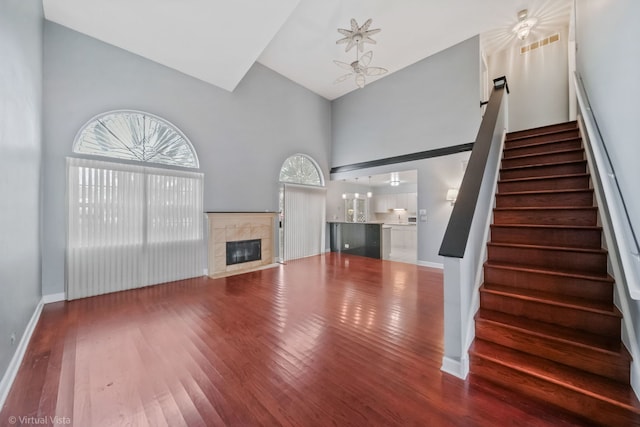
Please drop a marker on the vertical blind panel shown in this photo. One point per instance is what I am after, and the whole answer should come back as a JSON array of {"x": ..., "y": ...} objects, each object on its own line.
[
  {"x": 304, "y": 221},
  {"x": 131, "y": 226}
]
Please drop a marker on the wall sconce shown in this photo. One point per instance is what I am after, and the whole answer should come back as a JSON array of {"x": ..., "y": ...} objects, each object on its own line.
[{"x": 452, "y": 195}]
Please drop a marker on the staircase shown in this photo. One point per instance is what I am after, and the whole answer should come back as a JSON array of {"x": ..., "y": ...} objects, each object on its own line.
[{"x": 547, "y": 326}]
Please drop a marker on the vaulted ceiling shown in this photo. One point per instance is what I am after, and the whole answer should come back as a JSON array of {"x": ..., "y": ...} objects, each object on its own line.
[{"x": 218, "y": 41}]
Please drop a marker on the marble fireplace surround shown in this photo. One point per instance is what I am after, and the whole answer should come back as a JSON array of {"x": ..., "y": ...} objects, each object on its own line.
[{"x": 235, "y": 226}]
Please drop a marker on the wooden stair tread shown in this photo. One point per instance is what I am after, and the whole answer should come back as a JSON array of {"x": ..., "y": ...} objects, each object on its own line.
[
  {"x": 539, "y": 165},
  {"x": 534, "y": 192},
  {"x": 549, "y": 298},
  {"x": 596, "y": 386},
  {"x": 546, "y": 153},
  {"x": 540, "y": 143},
  {"x": 555, "y": 333},
  {"x": 543, "y": 208},
  {"x": 551, "y": 226},
  {"x": 539, "y": 178},
  {"x": 567, "y": 274},
  {"x": 549, "y": 248},
  {"x": 544, "y": 130}
]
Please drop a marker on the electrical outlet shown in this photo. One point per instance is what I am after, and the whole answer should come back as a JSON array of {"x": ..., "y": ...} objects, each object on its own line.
[
  {"x": 12, "y": 338},
  {"x": 346, "y": 246}
]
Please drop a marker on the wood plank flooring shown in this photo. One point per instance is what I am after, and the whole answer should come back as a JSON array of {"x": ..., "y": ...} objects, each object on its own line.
[{"x": 328, "y": 340}]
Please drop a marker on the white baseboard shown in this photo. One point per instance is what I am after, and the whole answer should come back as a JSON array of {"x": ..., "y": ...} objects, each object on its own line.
[
  {"x": 47, "y": 299},
  {"x": 16, "y": 360},
  {"x": 431, "y": 264},
  {"x": 458, "y": 368}
]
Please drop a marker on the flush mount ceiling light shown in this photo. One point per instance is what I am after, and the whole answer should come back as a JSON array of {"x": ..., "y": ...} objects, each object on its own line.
[
  {"x": 524, "y": 25},
  {"x": 394, "y": 181},
  {"x": 359, "y": 68}
]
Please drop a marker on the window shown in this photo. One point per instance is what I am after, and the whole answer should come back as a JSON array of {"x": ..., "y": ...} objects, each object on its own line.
[
  {"x": 131, "y": 225},
  {"x": 301, "y": 169},
  {"x": 134, "y": 135}
]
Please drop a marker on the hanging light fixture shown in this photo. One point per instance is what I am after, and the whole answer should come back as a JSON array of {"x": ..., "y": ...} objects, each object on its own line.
[
  {"x": 524, "y": 26},
  {"x": 394, "y": 181},
  {"x": 369, "y": 193}
]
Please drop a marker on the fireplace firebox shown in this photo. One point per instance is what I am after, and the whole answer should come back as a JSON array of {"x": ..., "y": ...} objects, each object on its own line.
[{"x": 244, "y": 251}]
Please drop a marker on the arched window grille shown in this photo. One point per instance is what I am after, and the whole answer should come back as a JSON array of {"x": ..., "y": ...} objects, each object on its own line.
[
  {"x": 301, "y": 169},
  {"x": 138, "y": 136}
]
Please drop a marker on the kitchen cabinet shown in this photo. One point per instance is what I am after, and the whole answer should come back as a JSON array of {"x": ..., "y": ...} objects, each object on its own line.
[
  {"x": 383, "y": 203},
  {"x": 412, "y": 203},
  {"x": 404, "y": 243}
]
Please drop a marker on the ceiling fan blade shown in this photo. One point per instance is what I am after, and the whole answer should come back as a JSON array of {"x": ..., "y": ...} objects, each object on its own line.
[
  {"x": 368, "y": 40},
  {"x": 342, "y": 41},
  {"x": 350, "y": 44},
  {"x": 365, "y": 59},
  {"x": 344, "y": 32},
  {"x": 343, "y": 65},
  {"x": 366, "y": 25},
  {"x": 354, "y": 25},
  {"x": 360, "y": 80},
  {"x": 372, "y": 32},
  {"x": 342, "y": 78},
  {"x": 375, "y": 71}
]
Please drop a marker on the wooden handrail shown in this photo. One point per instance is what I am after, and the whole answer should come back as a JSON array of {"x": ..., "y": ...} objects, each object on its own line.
[{"x": 456, "y": 236}]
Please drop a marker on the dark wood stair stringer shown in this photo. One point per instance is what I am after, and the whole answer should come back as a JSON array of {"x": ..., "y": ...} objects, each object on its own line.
[{"x": 547, "y": 325}]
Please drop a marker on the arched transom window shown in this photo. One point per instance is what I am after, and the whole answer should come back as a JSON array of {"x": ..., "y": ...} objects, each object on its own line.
[
  {"x": 135, "y": 135},
  {"x": 301, "y": 169}
]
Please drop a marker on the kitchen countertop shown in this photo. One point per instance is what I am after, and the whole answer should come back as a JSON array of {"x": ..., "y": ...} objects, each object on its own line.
[
  {"x": 405, "y": 224},
  {"x": 349, "y": 222}
]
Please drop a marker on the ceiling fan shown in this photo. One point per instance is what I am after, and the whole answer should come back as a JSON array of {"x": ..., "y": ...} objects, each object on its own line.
[
  {"x": 358, "y": 36},
  {"x": 360, "y": 68}
]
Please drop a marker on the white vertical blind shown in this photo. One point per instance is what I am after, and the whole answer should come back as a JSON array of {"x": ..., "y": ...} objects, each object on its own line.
[
  {"x": 304, "y": 221},
  {"x": 131, "y": 226}
]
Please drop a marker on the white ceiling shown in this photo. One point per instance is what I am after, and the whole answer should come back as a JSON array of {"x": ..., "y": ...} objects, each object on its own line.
[{"x": 217, "y": 41}]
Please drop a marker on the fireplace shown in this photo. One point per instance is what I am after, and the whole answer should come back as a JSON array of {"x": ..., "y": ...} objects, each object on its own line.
[
  {"x": 232, "y": 234},
  {"x": 244, "y": 251}
]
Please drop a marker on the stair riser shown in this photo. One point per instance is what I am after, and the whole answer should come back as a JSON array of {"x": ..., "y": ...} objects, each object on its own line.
[
  {"x": 565, "y": 237},
  {"x": 577, "y": 198},
  {"x": 589, "y": 321},
  {"x": 595, "y": 290},
  {"x": 546, "y": 216},
  {"x": 546, "y": 170},
  {"x": 564, "y": 260},
  {"x": 591, "y": 408},
  {"x": 610, "y": 365},
  {"x": 565, "y": 156},
  {"x": 515, "y": 141},
  {"x": 559, "y": 128},
  {"x": 542, "y": 184},
  {"x": 540, "y": 148}
]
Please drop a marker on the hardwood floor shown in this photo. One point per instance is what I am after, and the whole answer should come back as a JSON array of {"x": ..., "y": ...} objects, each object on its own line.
[{"x": 328, "y": 340}]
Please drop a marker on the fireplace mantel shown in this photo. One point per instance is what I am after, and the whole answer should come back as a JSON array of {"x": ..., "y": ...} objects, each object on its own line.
[{"x": 236, "y": 226}]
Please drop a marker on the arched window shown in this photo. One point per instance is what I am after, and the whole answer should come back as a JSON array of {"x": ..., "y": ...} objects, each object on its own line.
[
  {"x": 134, "y": 135},
  {"x": 301, "y": 169},
  {"x": 132, "y": 225}
]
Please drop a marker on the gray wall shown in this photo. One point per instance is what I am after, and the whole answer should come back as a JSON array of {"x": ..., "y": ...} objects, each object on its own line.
[
  {"x": 20, "y": 159},
  {"x": 538, "y": 83},
  {"x": 431, "y": 104},
  {"x": 608, "y": 58},
  {"x": 242, "y": 138}
]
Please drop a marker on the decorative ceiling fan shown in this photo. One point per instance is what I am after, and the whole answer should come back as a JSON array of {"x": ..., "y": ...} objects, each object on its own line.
[
  {"x": 360, "y": 68},
  {"x": 358, "y": 36}
]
